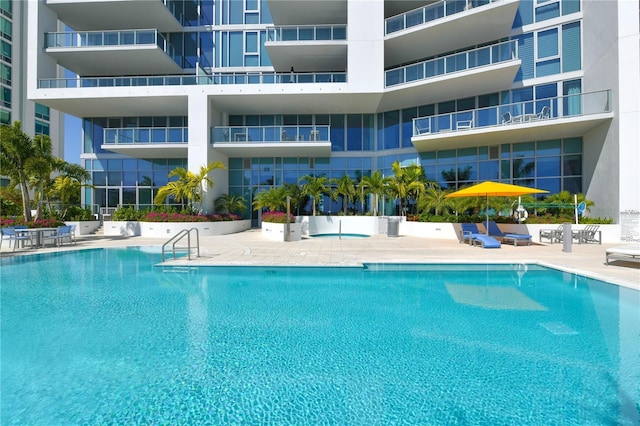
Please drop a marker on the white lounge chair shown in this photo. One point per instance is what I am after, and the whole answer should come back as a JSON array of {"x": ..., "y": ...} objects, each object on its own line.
[{"x": 629, "y": 253}]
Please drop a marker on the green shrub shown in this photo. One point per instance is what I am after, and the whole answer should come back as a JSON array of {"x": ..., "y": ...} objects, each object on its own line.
[{"x": 127, "y": 214}]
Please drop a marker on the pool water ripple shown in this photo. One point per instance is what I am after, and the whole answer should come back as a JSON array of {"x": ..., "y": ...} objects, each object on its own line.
[{"x": 106, "y": 337}]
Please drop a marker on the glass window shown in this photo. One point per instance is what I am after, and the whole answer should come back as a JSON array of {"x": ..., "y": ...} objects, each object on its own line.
[
  {"x": 548, "y": 43},
  {"x": 548, "y": 148},
  {"x": 354, "y": 132},
  {"x": 548, "y": 166},
  {"x": 572, "y": 165}
]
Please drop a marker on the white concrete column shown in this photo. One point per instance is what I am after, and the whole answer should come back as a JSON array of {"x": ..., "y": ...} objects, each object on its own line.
[
  {"x": 365, "y": 61},
  {"x": 200, "y": 151}
]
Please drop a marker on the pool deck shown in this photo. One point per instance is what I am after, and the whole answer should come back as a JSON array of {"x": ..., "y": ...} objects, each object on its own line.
[{"x": 250, "y": 248}]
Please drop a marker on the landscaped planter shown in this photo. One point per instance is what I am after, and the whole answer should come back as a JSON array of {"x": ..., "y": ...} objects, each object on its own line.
[
  {"x": 277, "y": 231},
  {"x": 121, "y": 228},
  {"x": 84, "y": 227},
  {"x": 169, "y": 229}
]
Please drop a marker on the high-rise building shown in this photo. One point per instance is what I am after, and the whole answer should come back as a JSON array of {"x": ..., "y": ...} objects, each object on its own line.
[
  {"x": 543, "y": 93},
  {"x": 36, "y": 118}
]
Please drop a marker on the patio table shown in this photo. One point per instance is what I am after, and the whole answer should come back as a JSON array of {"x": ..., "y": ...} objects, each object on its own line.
[{"x": 38, "y": 233}]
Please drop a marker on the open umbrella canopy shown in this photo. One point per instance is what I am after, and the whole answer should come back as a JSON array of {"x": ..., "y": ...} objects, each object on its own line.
[{"x": 494, "y": 189}]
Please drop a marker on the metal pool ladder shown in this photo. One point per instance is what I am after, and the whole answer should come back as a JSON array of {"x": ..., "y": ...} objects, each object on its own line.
[{"x": 179, "y": 236}]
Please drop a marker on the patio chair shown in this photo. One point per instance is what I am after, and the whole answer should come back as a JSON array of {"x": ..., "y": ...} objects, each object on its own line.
[
  {"x": 588, "y": 235},
  {"x": 60, "y": 235},
  {"x": 543, "y": 114},
  {"x": 10, "y": 234},
  {"x": 464, "y": 124},
  {"x": 495, "y": 231},
  {"x": 553, "y": 235},
  {"x": 72, "y": 231},
  {"x": 506, "y": 118},
  {"x": 485, "y": 241}
]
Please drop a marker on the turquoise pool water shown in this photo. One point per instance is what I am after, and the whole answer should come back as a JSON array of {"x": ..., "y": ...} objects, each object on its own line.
[
  {"x": 106, "y": 337},
  {"x": 346, "y": 236}
]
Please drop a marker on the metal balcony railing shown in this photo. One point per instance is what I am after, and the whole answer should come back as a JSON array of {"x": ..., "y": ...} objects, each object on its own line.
[
  {"x": 71, "y": 39},
  {"x": 429, "y": 13},
  {"x": 190, "y": 80},
  {"x": 307, "y": 33},
  {"x": 469, "y": 59},
  {"x": 257, "y": 134},
  {"x": 145, "y": 135},
  {"x": 527, "y": 112}
]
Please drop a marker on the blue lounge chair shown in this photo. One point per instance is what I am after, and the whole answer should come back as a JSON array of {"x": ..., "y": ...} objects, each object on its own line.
[
  {"x": 495, "y": 231},
  {"x": 485, "y": 241},
  {"x": 468, "y": 231},
  {"x": 471, "y": 232}
]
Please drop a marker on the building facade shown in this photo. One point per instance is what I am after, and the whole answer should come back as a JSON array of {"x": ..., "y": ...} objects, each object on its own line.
[
  {"x": 536, "y": 92},
  {"x": 36, "y": 118}
]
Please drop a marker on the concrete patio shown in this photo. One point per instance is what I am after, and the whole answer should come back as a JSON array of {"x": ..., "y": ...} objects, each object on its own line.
[{"x": 250, "y": 248}]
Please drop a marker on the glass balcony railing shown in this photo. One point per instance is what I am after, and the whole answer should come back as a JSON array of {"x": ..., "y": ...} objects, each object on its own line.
[
  {"x": 429, "y": 13},
  {"x": 190, "y": 80},
  {"x": 145, "y": 135},
  {"x": 277, "y": 134},
  {"x": 478, "y": 57},
  {"x": 307, "y": 33},
  {"x": 527, "y": 112},
  {"x": 109, "y": 38}
]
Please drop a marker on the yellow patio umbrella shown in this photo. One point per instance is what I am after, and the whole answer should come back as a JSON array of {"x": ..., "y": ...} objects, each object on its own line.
[{"x": 494, "y": 189}]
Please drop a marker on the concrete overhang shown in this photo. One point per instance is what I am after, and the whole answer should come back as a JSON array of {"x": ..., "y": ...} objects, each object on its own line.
[
  {"x": 472, "y": 27},
  {"x": 115, "y": 101},
  {"x": 115, "y": 60},
  {"x": 162, "y": 150},
  {"x": 274, "y": 149},
  {"x": 308, "y": 56},
  {"x": 512, "y": 133},
  {"x": 308, "y": 12},
  {"x": 463, "y": 84},
  {"x": 82, "y": 15}
]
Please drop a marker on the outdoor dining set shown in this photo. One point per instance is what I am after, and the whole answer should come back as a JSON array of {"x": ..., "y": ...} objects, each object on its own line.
[{"x": 23, "y": 237}]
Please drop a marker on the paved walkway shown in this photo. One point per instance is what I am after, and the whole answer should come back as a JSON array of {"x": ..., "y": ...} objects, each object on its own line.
[{"x": 250, "y": 248}]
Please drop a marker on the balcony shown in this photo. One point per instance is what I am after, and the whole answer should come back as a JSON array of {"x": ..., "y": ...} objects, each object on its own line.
[
  {"x": 308, "y": 48},
  {"x": 287, "y": 141},
  {"x": 100, "y": 53},
  {"x": 551, "y": 118},
  {"x": 83, "y": 15},
  {"x": 147, "y": 142},
  {"x": 308, "y": 12},
  {"x": 190, "y": 80},
  {"x": 482, "y": 70},
  {"x": 446, "y": 26}
]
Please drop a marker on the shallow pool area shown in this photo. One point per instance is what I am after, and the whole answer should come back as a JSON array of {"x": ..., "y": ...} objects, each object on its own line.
[{"x": 107, "y": 337}]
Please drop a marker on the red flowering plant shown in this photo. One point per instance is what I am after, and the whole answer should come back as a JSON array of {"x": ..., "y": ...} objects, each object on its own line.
[
  {"x": 277, "y": 217},
  {"x": 40, "y": 223}
]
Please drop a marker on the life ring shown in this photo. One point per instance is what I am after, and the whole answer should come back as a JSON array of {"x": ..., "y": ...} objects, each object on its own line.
[{"x": 521, "y": 214}]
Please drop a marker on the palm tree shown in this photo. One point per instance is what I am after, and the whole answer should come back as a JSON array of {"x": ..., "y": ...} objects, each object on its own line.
[
  {"x": 273, "y": 199},
  {"x": 405, "y": 183},
  {"x": 231, "y": 204},
  {"x": 39, "y": 168},
  {"x": 315, "y": 187},
  {"x": 296, "y": 197},
  {"x": 346, "y": 189},
  {"x": 16, "y": 147},
  {"x": 376, "y": 186},
  {"x": 433, "y": 199},
  {"x": 564, "y": 199},
  {"x": 189, "y": 186}
]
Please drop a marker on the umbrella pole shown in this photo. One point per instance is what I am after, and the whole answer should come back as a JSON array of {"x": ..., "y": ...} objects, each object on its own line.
[{"x": 487, "y": 212}]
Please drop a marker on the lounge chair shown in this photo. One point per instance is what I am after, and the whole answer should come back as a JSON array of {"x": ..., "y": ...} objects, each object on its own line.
[
  {"x": 553, "y": 235},
  {"x": 629, "y": 253},
  {"x": 495, "y": 231},
  {"x": 471, "y": 232},
  {"x": 468, "y": 231},
  {"x": 486, "y": 241}
]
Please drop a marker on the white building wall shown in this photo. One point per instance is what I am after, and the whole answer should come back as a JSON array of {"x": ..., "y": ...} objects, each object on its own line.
[{"x": 365, "y": 60}]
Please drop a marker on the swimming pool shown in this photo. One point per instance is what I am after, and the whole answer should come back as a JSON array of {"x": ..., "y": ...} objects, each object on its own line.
[
  {"x": 341, "y": 235},
  {"x": 103, "y": 336}
]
